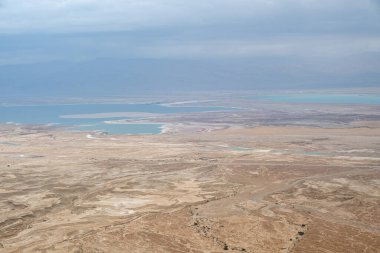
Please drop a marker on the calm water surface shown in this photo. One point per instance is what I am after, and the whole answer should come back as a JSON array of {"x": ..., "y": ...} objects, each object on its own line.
[
  {"x": 322, "y": 98},
  {"x": 50, "y": 114}
]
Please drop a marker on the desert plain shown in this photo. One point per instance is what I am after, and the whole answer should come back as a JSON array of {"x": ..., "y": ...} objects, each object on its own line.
[{"x": 240, "y": 181}]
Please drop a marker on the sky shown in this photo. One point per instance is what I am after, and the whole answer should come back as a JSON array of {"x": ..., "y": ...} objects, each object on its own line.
[{"x": 213, "y": 44}]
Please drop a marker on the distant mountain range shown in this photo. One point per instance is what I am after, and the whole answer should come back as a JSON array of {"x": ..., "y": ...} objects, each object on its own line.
[{"x": 126, "y": 76}]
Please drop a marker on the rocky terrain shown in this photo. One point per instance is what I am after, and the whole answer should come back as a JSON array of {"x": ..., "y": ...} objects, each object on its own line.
[{"x": 233, "y": 189}]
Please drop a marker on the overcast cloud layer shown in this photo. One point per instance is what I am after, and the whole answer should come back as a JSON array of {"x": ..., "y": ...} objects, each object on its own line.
[
  {"x": 343, "y": 35},
  {"x": 54, "y": 16}
]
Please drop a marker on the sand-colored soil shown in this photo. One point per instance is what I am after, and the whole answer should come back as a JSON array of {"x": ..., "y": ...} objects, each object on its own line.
[{"x": 265, "y": 189}]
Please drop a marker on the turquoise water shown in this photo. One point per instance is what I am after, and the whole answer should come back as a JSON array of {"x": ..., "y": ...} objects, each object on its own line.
[
  {"x": 321, "y": 98},
  {"x": 50, "y": 114},
  {"x": 307, "y": 153}
]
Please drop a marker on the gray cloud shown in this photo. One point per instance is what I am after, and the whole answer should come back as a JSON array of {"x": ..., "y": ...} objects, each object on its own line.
[
  {"x": 39, "y": 48},
  {"x": 19, "y": 16},
  {"x": 299, "y": 36}
]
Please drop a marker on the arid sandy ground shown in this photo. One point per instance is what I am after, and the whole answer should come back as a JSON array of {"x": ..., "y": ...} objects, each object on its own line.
[{"x": 263, "y": 189}]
